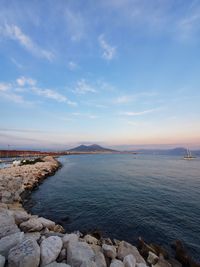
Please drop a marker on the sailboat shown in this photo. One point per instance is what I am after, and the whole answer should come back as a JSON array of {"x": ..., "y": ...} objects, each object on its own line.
[{"x": 189, "y": 155}]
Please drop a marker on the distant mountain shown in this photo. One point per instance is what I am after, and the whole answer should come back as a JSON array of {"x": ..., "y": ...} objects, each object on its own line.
[{"x": 90, "y": 148}]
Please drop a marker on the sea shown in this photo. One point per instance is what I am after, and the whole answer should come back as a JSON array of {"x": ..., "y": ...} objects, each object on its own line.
[{"x": 125, "y": 196}]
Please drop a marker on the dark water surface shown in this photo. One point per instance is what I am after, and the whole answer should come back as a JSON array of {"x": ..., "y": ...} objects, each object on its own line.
[{"x": 125, "y": 196}]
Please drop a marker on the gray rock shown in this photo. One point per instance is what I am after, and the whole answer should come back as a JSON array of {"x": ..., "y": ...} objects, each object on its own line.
[
  {"x": 56, "y": 264},
  {"x": 116, "y": 263},
  {"x": 32, "y": 225},
  {"x": 78, "y": 253},
  {"x": 88, "y": 264},
  {"x": 162, "y": 263},
  {"x": 34, "y": 235},
  {"x": 25, "y": 254},
  {"x": 141, "y": 265},
  {"x": 109, "y": 251},
  {"x": 129, "y": 261},
  {"x": 90, "y": 239},
  {"x": 100, "y": 260},
  {"x": 21, "y": 216},
  {"x": 8, "y": 242},
  {"x": 2, "y": 261},
  {"x": 152, "y": 258},
  {"x": 46, "y": 223},
  {"x": 69, "y": 239},
  {"x": 7, "y": 224},
  {"x": 126, "y": 248},
  {"x": 62, "y": 255},
  {"x": 50, "y": 249}
]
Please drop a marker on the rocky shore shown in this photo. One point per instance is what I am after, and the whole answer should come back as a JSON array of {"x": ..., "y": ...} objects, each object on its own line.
[{"x": 30, "y": 241}]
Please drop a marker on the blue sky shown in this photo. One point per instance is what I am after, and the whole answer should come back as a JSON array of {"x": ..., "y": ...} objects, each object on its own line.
[{"x": 121, "y": 73}]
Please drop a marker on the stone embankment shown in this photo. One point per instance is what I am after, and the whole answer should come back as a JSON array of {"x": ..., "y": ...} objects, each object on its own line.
[{"x": 30, "y": 241}]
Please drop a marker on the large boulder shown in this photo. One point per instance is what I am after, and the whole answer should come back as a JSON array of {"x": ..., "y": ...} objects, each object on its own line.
[
  {"x": 100, "y": 259},
  {"x": 7, "y": 224},
  {"x": 116, "y": 263},
  {"x": 129, "y": 261},
  {"x": 34, "y": 235},
  {"x": 69, "y": 239},
  {"x": 8, "y": 242},
  {"x": 32, "y": 225},
  {"x": 46, "y": 223},
  {"x": 2, "y": 261},
  {"x": 126, "y": 248},
  {"x": 79, "y": 253},
  {"x": 109, "y": 251},
  {"x": 21, "y": 216},
  {"x": 26, "y": 253},
  {"x": 50, "y": 249}
]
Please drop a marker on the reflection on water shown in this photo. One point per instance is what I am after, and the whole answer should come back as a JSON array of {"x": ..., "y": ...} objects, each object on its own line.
[{"x": 125, "y": 196}]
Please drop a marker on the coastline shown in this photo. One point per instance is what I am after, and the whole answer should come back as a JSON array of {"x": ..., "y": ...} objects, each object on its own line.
[{"x": 47, "y": 242}]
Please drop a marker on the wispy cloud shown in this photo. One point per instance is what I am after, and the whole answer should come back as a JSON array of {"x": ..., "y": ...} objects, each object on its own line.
[
  {"x": 83, "y": 87},
  {"x": 75, "y": 25},
  {"x": 52, "y": 94},
  {"x": 72, "y": 65},
  {"x": 13, "y": 32},
  {"x": 123, "y": 99},
  {"x": 189, "y": 25},
  {"x": 109, "y": 51},
  {"x": 22, "y": 81},
  {"x": 4, "y": 87},
  {"x": 138, "y": 113}
]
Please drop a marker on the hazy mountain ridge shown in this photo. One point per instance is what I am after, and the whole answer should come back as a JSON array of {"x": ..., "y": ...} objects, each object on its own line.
[
  {"x": 91, "y": 148},
  {"x": 178, "y": 151}
]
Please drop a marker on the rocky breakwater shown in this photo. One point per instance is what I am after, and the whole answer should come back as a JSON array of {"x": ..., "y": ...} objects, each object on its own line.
[{"x": 30, "y": 241}]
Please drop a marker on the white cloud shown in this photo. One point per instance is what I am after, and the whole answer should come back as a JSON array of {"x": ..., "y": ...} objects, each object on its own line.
[
  {"x": 75, "y": 25},
  {"x": 15, "y": 33},
  {"x": 123, "y": 99},
  {"x": 52, "y": 94},
  {"x": 82, "y": 87},
  {"x": 139, "y": 113},
  {"x": 4, "y": 87},
  {"x": 22, "y": 81},
  {"x": 72, "y": 66},
  {"x": 109, "y": 51}
]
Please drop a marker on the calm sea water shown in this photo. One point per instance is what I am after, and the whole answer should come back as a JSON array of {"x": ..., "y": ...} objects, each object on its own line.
[{"x": 125, "y": 196}]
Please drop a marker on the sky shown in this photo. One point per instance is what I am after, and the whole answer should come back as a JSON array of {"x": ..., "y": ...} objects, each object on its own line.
[{"x": 120, "y": 73}]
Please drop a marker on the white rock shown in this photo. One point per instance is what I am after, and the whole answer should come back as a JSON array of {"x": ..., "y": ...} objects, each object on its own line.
[
  {"x": 109, "y": 251},
  {"x": 25, "y": 254},
  {"x": 79, "y": 253},
  {"x": 2, "y": 261},
  {"x": 126, "y": 248},
  {"x": 129, "y": 261},
  {"x": 50, "y": 249},
  {"x": 7, "y": 224},
  {"x": 46, "y": 223},
  {"x": 100, "y": 259},
  {"x": 10, "y": 241},
  {"x": 90, "y": 239},
  {"x": 71, "y": 239},
  {"x": 152, "y": 258},
  {"x": 116, "y": 263},
  {"x": 32, "y": 225}
]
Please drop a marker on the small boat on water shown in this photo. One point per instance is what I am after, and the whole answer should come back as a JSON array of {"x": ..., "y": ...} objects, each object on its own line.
[{"x": 189, "y": 155}]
